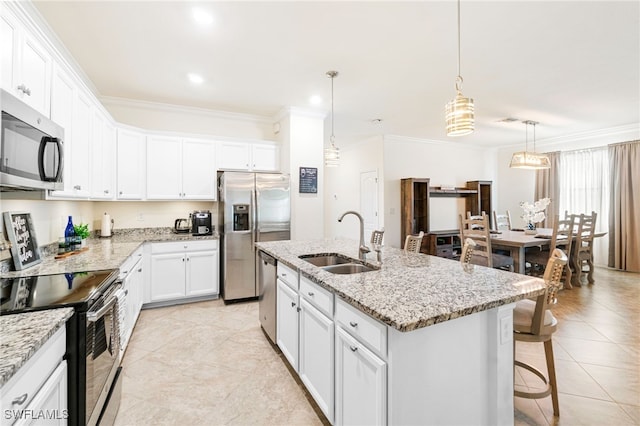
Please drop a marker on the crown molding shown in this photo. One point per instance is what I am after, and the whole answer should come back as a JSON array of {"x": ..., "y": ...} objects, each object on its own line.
[{"x": 304, "y": 112}]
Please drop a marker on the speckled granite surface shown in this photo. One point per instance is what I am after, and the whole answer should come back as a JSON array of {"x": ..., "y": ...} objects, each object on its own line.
[
  {"x": 23, "y": 334},
  {"x": 104, "y": 253},
  {"x": 409, "y": 291}
]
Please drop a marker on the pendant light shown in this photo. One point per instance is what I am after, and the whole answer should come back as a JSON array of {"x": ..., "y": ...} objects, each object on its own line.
[
  {"x": 459, "y": 111},
  {"x": 530, "y": 160},
  {"x": 332, "y": 153}
]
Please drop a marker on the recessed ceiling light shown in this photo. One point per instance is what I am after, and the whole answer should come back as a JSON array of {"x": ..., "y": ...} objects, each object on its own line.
[
  {"x": 315, "y": 100},
  {"x": 201, "y": 16},
  {"x": 195, "y": 78}
]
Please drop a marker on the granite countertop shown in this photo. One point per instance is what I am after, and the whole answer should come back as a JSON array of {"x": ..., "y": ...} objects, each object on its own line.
[
  {"x": 410, "y": 290},
  {"x": 23, "y": 334},
  {"x": 105, "y": 253}
]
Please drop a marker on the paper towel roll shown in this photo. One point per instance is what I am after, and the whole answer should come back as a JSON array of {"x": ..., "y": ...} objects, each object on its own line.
[{"x": 105, "y": 230}]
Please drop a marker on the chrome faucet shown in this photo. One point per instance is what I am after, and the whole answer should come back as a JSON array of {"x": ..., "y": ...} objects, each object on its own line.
[{"x": 362, "y": 250}]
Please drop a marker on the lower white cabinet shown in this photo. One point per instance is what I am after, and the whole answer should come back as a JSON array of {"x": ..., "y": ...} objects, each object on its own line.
[
  {"x": 133, "y": 285},
  {"x": 361, "y": 383},
  {"x": 39, "y": 387},
  {"x": 287, "y": 320},
  {"x": 183, "y": 270},
  {"x": 316, "y": 356}
]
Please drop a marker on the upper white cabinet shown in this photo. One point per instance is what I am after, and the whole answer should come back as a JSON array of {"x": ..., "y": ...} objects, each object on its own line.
[
  {"x": 63, "y": 93},
  {"x": 82, "y": 134},
  {"x": 26, "y": 65},
  {"x": 130, "y": 165},
  {"x": 249, "y": 156},
  {"x": 180, "y": 169},
  {"x": 103, "y": 151}
]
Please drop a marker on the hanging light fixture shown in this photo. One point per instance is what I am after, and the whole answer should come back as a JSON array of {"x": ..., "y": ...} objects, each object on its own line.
[
  {"x": 332, "y": 153},
  {"x": 459, "y": 112},
  {"x": 530, "y": 160}
]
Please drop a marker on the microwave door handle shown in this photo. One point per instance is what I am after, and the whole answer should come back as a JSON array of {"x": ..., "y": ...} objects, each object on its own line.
[
  {"x": 41, "y": 151},
  {"x": 95, "y": 316},
  {"x": 59, "y": 144}
]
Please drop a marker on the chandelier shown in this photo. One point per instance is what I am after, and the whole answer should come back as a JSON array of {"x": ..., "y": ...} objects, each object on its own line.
[{"x": 529, "y": 160}]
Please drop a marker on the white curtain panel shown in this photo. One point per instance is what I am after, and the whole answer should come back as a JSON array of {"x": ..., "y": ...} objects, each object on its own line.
[{"x": 584, "y": 187}]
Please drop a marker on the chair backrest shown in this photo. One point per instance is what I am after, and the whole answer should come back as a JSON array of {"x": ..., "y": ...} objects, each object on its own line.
[
  {"x": 502, "y": 221},
  {"x": 467, "y": 251},
  {"x": 562, "y": 236},
  {"x": 479, "y": 216},
  {"x": 478, "y": 231},
  {"x": 376, "y": 237},
  {"x": 552, "y": 278},
  {"x": 413, "y": 243},
  {"x": 586, "y": 230}
]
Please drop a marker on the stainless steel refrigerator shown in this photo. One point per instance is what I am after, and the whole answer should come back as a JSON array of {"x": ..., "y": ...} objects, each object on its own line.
[{"x": 251, "y": 207}]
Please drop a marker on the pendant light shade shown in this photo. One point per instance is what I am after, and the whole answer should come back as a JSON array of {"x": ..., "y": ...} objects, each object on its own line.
[
  {"x": 332, "y": 153},
  {"x": 529, "y": 160},
  {"x": 460, "y": 114}
]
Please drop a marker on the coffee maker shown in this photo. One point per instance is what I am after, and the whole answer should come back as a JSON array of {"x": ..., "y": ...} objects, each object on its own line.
[{"x": 201, "y": 222}]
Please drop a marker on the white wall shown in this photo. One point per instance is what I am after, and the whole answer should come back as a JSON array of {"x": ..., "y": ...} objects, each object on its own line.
[
  {"x": 343, "y": 186},
  {"x": 445, "y": 163}
]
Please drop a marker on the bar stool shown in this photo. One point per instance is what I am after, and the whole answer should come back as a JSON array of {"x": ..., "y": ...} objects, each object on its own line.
[
  {"x": 534, "y": 322},
  {"x": 413, "y": 243}
]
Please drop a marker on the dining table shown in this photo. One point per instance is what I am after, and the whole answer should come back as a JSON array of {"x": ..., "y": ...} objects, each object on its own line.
[{"x": 516, "y": 242}]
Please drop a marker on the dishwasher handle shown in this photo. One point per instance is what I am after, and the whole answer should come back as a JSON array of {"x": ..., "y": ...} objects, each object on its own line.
[{"x": 267, "y": 258}]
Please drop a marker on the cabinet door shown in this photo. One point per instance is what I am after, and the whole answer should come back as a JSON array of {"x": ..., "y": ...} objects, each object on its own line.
[
  {"x": 265, "y": 157},
  {"x": 130, "y": 165},
  {"x": 62, "y": 101},
  {"x": 35, "y": 75},
  {"x": 102, "y": 157},
  {"x": 287, "y": 323},
  {"x": 51, "y": 398},
  {"x": 202, "y": 273},
  {"x": 167, "y": 276},
  {"x": 82, "y": 133},
  {"x": 361, "y": 383},
  {"x": 316, "y": 356},
  {"x": 164, "y": 168},
  {"x": 234, "y": 156},
  {"x": 199, "y": 170},
  {"x": 8, "y": 51}
]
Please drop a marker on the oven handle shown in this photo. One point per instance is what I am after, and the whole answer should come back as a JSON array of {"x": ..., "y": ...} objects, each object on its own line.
[{"x": 95, "y": 316}]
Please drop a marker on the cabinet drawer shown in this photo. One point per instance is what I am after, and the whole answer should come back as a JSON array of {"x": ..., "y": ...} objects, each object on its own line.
[
  {"x": 317, "y": 296},
  {"x": 34, "y": 373},
  {"x": 288, "y": 275},
  {"x": 366, "y": 329},
  {"x": 130, "y": 262},
  {"x": 179, "y": 246}
]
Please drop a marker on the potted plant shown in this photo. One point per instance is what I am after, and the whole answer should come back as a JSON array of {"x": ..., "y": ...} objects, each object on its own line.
[
  {"x": 82, "y": 232},
  {"x": 534, "y": 213}
]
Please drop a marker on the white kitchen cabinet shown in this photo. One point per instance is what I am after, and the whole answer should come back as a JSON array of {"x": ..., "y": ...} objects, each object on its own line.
[
  {"x": 26, "y": 65},
  {"x": 103, "y": 150},
  {"x": 287, "y": 319},
  {"x": 248, "y": 156},
  {"x": 316, "y": 366},
  {"x": 180, "y": 169},
  {"x": 130, "y": 165},
  {"x": 361, "y": 383},
  {"x": 82, "y": 134},
  {"x": 40, "y": 384},
  {"x": 183, "y": 270},
  {"x": 133, "y": 286}
]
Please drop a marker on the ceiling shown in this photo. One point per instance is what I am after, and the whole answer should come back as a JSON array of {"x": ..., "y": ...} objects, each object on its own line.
[{"x": 573, "y": 66}]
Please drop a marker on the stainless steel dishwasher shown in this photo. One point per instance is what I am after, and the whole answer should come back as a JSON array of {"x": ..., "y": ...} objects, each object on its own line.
[{"x": 267, "y": 293}]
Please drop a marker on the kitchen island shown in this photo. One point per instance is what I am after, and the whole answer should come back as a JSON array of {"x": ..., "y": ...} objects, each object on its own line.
[{"x": 445, "y": 350}]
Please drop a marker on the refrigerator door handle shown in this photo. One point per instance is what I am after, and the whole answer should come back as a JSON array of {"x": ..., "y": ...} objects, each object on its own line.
[{"x": 254, "y": 217}]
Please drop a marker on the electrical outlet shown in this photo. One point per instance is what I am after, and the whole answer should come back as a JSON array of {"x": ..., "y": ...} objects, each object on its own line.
[
  {"x": 140, "y": 217},
  {"x": 506, "y": 330}
]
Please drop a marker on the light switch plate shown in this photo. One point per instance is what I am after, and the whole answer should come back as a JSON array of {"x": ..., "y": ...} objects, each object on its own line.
[{"x": 506, "y": 330}]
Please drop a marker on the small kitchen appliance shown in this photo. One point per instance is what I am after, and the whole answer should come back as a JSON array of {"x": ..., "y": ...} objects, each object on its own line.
[
  {"x": 201, "y": 222},
  {"x": 181, "y": 226}
]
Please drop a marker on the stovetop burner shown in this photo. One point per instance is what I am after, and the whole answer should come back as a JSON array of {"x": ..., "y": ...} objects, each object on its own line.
[{"x": 32, "y": 293}]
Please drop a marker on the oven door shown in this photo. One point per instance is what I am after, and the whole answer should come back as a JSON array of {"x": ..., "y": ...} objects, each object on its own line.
[{"x": 103, "y": 349}]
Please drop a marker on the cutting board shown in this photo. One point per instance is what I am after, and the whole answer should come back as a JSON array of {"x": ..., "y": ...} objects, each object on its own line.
[{"x": 71, "y": 253}]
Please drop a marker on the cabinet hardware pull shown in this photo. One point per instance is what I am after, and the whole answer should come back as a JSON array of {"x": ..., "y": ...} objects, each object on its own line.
[
  {"x": 310, "y": 293},
  {"x": 298, "y": 309},
  {"x": 77, "y": 187},
  {"x": 140, "y": 270},
  {"x": 353, "y": 324},
  {"x": 120, "y": 192},
  {"x": 183, "y": 259},
  {"x": 24, "y": 89},
  {"x": 20, "y": 400},
  {"x": 293, "y": 304},
  {"x": 126, "y": 292},
  {"x": 284, "y": 274},
  {"x": 125, "y": 272},
  {"x": 353, "y": 348}
]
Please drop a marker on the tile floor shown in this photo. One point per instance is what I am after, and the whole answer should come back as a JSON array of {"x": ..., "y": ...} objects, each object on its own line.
[{"x": 209, "y": 363}]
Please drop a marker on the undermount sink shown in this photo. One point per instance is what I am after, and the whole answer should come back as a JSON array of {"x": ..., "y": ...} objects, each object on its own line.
[{"x": 337, "y": 263}]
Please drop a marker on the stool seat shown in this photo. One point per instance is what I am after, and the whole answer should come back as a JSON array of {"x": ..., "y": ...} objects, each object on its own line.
[{"x": 523, "y": 315}]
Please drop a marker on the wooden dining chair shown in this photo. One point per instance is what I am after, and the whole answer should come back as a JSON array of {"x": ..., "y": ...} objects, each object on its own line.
[
  {"x": 562, "y": 238},
  {"x": 413, "y": 243},
  {"x": 533, "y": 321},
  {"x": 478, "y": 230},
  {"x": 502, "y": 222},
  {"x": 583, "y": 248}
]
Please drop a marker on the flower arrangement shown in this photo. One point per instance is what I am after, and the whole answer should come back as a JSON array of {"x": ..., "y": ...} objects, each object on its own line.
[{"x": 534, "y": 213}]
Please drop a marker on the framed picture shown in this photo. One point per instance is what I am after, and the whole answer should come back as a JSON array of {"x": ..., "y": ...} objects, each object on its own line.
[
  {"x": 308, "y": 180},
  {"x": 22, "y": 235}
]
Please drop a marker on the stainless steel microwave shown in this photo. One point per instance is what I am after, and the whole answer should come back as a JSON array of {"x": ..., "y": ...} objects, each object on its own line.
[{"x": 31, "y": 148}]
